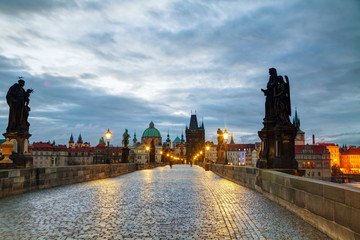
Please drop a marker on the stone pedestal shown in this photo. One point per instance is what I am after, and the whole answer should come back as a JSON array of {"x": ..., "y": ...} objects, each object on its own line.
[
  {"x": 285, "y": 147},
  {"x": 278, "y": 146},
  {"x": 21, "y": 153},
  {"x": 125, "y": 155}
]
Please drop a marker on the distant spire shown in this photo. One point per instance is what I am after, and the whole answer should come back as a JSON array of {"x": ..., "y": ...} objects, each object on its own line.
[
  {"x": 71, "y": 138},
  {"x": 232, "y": 139},
  {"x": 80, "y": 139}
]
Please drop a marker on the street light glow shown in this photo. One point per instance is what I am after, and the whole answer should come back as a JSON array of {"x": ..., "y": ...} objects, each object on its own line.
[
  {"x": 108, "y": 135},
  {"x": 226, "y": 135}
]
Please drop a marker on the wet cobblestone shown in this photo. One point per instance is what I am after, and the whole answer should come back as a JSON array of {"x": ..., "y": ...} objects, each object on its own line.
[{"x": 163, "y": 203}]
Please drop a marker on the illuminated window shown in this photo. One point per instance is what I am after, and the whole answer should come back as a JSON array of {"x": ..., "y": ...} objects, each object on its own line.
[
  {"x": 312, "y": 164},
  {"x": 308, "y": 164},
  {"x": 139, "y": 151},
  {"x": 304, "y": 164}
]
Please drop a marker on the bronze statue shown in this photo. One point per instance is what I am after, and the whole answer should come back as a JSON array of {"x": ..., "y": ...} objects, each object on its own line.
[{"x": 18, "y": 101}]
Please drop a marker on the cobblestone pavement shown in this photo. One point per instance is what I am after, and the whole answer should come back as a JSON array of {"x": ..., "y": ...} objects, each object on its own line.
[{"x": 163, "y": 203}]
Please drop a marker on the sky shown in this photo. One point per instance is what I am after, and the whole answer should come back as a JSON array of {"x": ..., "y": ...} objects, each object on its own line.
[{"x": 108, "y": 64}]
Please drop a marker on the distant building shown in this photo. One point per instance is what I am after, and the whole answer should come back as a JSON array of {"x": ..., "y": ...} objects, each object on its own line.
[
  {"x": 151, "y": 134},
  {"x": 211, "y": 154},
  {"x": 195, "y": 138},
  {"x": 139, "y": 152},
  {"x": 49, "y": 155},
  {"x": 334, "y": 152},
  {"x": 350, "y": 161},
  {"x": 179, "y": 147},
  {"x": 240, "y": 154},
  {"x": 315, "y": 160},
  {"x": 300, "y": 135}
]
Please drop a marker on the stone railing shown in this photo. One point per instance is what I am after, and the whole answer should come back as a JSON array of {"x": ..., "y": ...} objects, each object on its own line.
[
  {"x": 16, "y": 181},
  {"x": 332, "y": 208}
]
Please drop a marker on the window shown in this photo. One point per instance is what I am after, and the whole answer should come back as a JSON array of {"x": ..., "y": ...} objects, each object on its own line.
[
  {"x": 318, "y": 174},
  {"x": 308, "y": 164},
  {"x": 41, "y": 163},
  {"x": 304, "y": 164},
  {"x": 313, "y": 165},
  {"x": 41, "y": 158}
]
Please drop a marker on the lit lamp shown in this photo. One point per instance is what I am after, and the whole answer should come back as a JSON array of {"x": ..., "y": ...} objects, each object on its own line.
[
  {"x": 148, "y": 150},
  {"x": 226, "y": 137},
  {"x": 207, "y": 148},
  {"x": 108, "y": 137}
]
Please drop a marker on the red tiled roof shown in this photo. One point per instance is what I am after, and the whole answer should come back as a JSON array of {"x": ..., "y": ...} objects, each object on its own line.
[
  {"x": 318, "y": 149},
  {"x": 326, "y": 144},
  {"x": 351, "y": 151}
]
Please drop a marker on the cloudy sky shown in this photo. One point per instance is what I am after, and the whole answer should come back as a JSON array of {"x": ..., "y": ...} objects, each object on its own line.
[{"x": 113, "y": 64}]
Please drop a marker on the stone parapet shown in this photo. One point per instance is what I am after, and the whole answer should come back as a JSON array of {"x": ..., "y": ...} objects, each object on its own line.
[
  {"x": 333, "y": 208},
  {"x": 17, "y": 181}
]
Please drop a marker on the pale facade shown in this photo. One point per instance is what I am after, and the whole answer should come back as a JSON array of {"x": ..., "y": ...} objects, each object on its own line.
[
  {"x": 139, "y": 154},
  {"x": 315, "y": 160},
  {"x": 49, "y": 155}
]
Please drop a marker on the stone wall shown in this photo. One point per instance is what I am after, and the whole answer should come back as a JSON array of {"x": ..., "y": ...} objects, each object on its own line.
[
  {"x": 333, "y": 208},
  {"x": 16, "y": 181}
]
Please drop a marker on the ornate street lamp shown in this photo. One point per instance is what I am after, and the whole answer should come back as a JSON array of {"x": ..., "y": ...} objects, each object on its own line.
[
  {"x": 226, "y": 137},
  {"x": 108, "y": 137}
]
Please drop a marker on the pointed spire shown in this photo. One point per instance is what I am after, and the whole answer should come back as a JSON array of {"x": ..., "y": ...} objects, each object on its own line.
[
  {"x": 80, "y": 139},
  {"x": 232, "y": 139},
  {"x": 182, "y": 137},
  {"x": 71, "y": 138}
]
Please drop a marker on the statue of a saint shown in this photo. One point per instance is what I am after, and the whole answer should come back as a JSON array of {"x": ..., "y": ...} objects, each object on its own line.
[
  {"x": 269, "y": 93},
  {"x": 126, "y": 137},
  {"x": 282, "y": 100},
  {"x": 18, "y": 101}
]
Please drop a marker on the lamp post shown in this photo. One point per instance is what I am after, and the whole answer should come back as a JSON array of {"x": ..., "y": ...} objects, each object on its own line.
[
  {"x": 108, "y": 137},
  {"x": 148, "y": 150},
  {"x": 226, "y": 137},
  {"x": 207, "y": 148}
]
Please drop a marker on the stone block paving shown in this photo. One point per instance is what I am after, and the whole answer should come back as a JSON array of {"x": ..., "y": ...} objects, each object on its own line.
[{"x": 182, "y": 202}]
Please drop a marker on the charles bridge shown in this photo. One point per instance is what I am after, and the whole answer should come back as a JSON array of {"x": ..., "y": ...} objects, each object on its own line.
[{"x": 153, "y": 201}]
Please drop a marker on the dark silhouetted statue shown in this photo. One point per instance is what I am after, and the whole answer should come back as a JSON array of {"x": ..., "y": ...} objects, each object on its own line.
[
  {"x": 278, "y": 134},
  {"x": 17, "y": 130},
  {"x": 125, "y": 150},
  {"x": 18, "y": 101},
  {"x": 126, "y": 137}
]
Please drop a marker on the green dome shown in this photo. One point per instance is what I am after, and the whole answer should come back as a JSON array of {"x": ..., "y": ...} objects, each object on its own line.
[
  {"x": 151, "y": 131},
  {"x": 177, "y": 140}
]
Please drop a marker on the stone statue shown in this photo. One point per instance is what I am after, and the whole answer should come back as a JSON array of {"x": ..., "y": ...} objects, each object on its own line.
[
  {"x": 269, "y": 93},
  {"x": 282, "y": 100},
  {"x": 126, "y": 137},
  {"x": 278, "y": 134},
  {"x": 18, "y": 101}
]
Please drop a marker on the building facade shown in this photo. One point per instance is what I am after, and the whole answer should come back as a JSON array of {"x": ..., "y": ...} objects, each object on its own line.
[
  {"x": 315, "y": 160},
  {"x": 49, "y": 155}
]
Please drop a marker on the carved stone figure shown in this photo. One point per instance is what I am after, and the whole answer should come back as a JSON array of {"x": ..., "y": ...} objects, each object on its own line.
[
  {"x": 269, "y": 93},
  {"x": 126, "y": 137},
  {"x": 18, "y": 101},
  {"x": 278, "y": 134},
  {"x": 282, "y": 100}
]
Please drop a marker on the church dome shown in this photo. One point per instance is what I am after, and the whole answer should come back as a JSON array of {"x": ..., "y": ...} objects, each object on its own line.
[
  {"x": 151, "y": 132},
  {"x": 177, "y": 140}
]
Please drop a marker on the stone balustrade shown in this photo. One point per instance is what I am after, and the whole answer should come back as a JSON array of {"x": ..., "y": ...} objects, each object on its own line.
[
  {"x": 17, "y": 181},
  {"x": 333, "y": 208}
]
